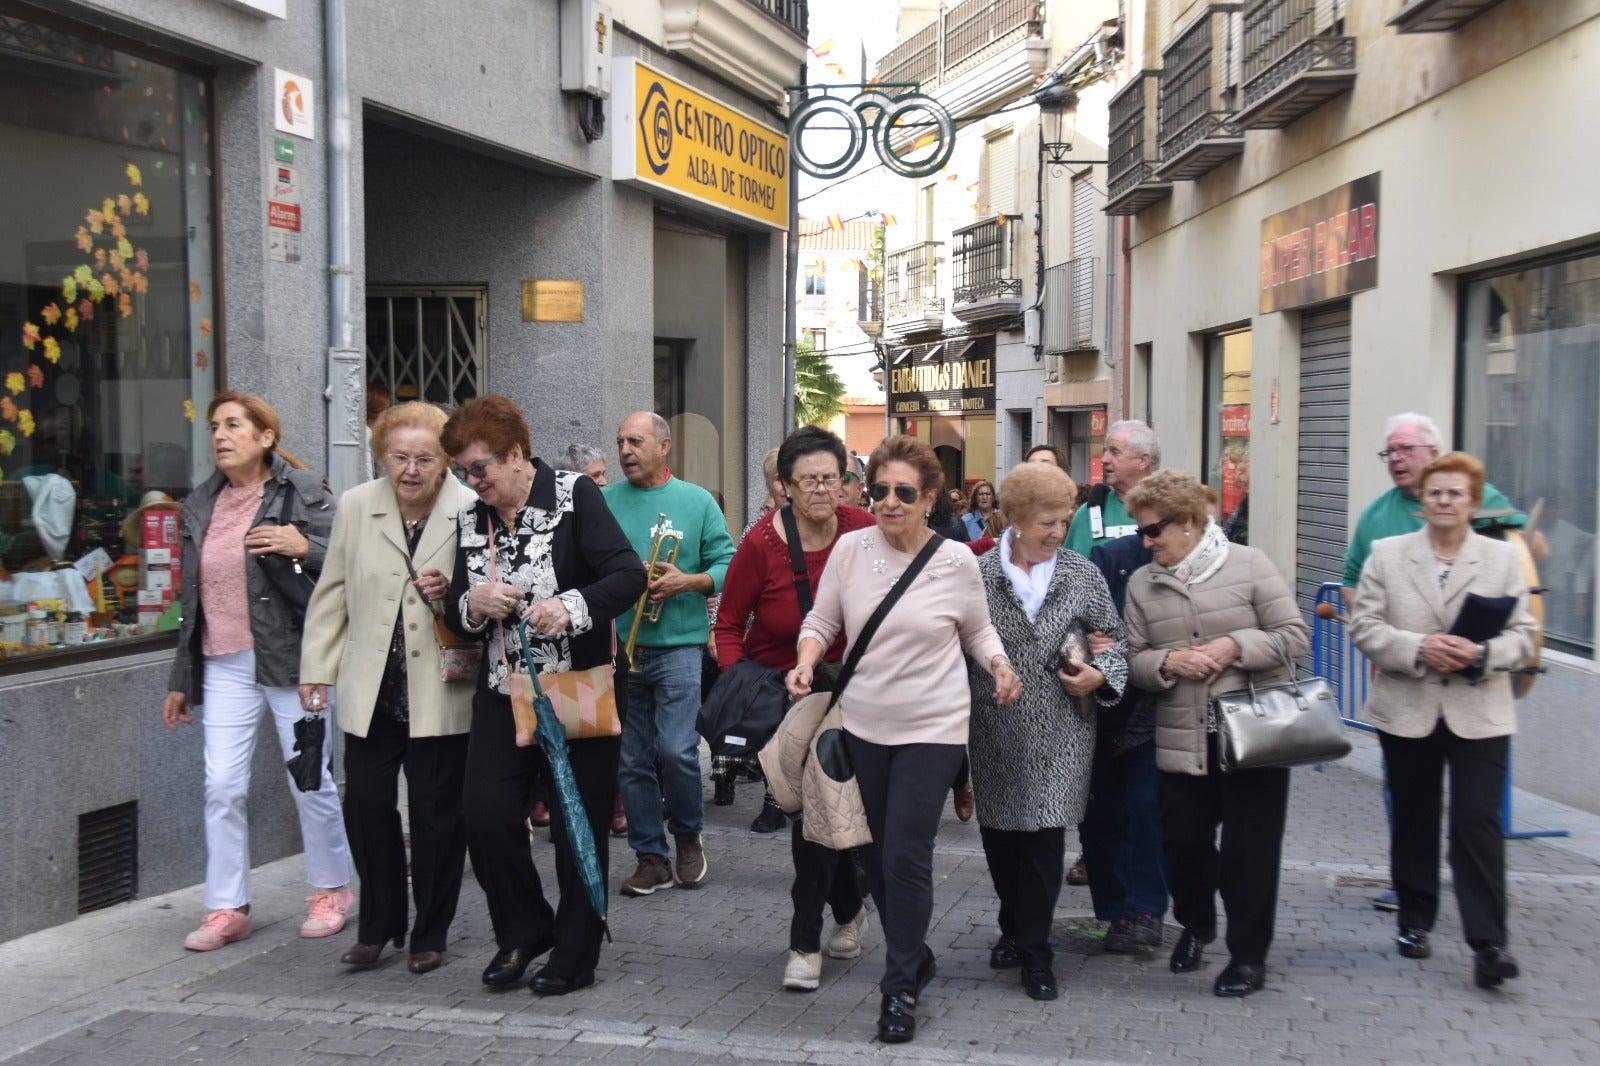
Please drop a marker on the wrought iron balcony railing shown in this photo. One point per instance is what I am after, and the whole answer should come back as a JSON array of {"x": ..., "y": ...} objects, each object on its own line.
[
  {"x": 959, "y": 39},
  {"x": 912, "y": 283},
  {"x": 1196, "y": 126},
  {"x": 1295, "y": 59},
  {"x": 984, "y": 261},
  {"x": 1131, "y": 181},
  {"x": 792, "y": 13},
  {"x": 1437, "y": 16}
]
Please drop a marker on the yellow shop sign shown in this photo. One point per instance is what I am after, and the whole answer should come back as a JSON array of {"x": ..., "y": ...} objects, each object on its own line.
[{"x": 677, "y": 141}]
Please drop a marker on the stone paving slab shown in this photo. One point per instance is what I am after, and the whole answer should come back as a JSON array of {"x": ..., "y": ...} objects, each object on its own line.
[{"x": 694, "y": 976}]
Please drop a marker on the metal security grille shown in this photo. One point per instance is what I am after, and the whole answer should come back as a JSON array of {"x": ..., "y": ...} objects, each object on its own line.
[
  {"x": 1324, "y": 465},
  {"x": 427, "y": 344},
  {"x": 108, "y": 856}
]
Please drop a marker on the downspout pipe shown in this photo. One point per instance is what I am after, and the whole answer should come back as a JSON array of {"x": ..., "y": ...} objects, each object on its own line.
[
  {"x": 345, "y": 393},
  {"x": 791, "y": 284}
]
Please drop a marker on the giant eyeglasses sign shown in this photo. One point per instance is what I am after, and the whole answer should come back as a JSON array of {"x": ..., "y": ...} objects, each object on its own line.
[
  {"x": 675, "y": 141},
  {"x": 912, "y": 133}
]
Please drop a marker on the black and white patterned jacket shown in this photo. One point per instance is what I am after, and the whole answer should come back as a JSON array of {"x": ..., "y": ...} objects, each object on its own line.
[
  {"x": 566, "y": 544},
  {"x": 1031, "y": 761}
]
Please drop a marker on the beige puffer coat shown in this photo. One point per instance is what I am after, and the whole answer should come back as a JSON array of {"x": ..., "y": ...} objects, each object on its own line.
[
  {"x": 1246, "y": 599},
  {"x": 822, "y": 785}
]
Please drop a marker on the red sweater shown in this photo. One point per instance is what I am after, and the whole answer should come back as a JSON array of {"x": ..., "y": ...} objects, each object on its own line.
[{"x": 760, "y": 581}]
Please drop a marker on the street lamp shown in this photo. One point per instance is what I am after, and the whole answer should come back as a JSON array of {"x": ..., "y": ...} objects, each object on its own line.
[{"x": 1058, "y": 121}]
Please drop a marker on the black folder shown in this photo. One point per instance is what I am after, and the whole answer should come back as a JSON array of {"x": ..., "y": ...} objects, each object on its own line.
[{"x": 1481, "y": 618}]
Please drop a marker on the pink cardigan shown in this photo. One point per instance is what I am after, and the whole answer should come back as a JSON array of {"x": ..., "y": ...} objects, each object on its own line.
[{"x": 911, "y": 685}]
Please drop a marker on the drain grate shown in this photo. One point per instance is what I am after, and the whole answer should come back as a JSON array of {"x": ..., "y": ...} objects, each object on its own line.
[{"x": 108, "y": 856}]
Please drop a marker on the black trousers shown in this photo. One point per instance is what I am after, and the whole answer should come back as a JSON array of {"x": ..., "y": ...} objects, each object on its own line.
[
  {"x": 1477, "y": 845},
  {"x": 434, "y": 768},
  {"x": 821, "y": 876},
  {"x": 1026, "y": 868},
  {"x": 1251, "y": 806},
  {"x": 904, "y": 788},
  {"x": 500, "y": 779}
]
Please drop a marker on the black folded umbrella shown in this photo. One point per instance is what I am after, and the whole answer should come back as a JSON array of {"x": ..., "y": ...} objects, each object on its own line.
[{"x": 306, "y": 767}]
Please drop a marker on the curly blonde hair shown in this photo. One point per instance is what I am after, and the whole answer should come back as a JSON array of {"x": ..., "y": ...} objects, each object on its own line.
[{"x": 1174, "y": 495}]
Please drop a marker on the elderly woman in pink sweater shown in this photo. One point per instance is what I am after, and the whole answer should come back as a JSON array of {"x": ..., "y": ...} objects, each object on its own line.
[{"x": 907, "y": 705}]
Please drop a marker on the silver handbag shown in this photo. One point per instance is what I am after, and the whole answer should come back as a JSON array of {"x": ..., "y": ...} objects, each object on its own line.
[{"x": 1287, "y": 723}]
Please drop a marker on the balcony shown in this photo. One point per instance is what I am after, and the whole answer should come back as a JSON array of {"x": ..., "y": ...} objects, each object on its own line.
[
  {"x": 1437, "y": 16},
  {"x": 986, "y": 260},
  {"x": 1294, "y": 60},
  {"x": 1132, "y": 183},
  {"x": 911, "y": 302},
  {"x": 1069, "y": 306},
  {"x": 755, "y": 44},
  {"x": 960, "y": 38},
  {"x": 1196, "y": 127},
  {"x": 869, "y": 301}
]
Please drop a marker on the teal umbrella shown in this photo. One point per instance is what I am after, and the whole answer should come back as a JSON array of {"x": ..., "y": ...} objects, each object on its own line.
[{"x": 552, "y": 737}]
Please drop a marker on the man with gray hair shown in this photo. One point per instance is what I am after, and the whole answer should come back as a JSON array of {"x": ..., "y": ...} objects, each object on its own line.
[
  {"x": 1410, "y": 442},
  {"x": 664, "y": 682},
  {"x": 1131, "y": 453},
  {"x": 583, "y": 459}
]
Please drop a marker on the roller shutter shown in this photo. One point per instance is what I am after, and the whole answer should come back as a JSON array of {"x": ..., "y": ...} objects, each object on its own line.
[{"x": 1324, "y": 463}]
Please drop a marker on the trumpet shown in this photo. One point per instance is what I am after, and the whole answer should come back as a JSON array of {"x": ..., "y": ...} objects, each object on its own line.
[{"x": 663, "y": 549}]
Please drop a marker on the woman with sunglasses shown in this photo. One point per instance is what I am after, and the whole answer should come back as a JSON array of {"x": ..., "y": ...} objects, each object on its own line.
[
  {"x": 369, "y": 631},
  {"x": 1440, "y": 697},
  {"x": 541, "y": 546},
  {"x": 907, "y": 707},
  {"x": 1203, "y": 617},
  {"x": 759, "y": 619}
]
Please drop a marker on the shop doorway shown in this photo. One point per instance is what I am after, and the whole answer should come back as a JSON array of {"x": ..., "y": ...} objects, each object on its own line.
[{"x": 427, "y": 344}]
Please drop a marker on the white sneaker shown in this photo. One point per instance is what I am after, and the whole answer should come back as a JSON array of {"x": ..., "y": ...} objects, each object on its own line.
[
  {"x": 803, "y": 972},
  {"x": 845, "y": 940}
]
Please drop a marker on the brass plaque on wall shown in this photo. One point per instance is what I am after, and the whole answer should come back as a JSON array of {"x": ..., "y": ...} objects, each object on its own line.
[{"x": 552, "y": 301}]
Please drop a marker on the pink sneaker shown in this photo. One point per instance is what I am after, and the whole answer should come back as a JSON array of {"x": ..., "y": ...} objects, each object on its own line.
[
  {"x": 218, "y": 928},
  {"x": 328, "y": 909}
]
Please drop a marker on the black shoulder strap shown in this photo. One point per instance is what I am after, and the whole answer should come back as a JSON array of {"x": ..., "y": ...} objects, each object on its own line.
[
  {"x": 901, "y": 583},
  {"x": 287, "y": 509},
  {"x": 797, "y": 560}
]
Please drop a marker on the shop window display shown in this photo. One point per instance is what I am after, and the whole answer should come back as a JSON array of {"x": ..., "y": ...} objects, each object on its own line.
[
  {"x": 107, "y": 334},
  {"x": 1530, "y": 390},
  {"x": 1227, "y": 428}
]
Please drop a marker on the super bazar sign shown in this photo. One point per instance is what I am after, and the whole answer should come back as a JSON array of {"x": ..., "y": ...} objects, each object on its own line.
[
  {"x": 1321, "y": 249},
  {"x": 692, "y": 147}
]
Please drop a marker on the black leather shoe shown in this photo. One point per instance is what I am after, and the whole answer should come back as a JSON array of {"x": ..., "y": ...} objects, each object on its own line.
[
  {"x": 1040, "y": 984},
  {"x": 548, "y": 984},
  {"x": 925, "y": 971},
  {"x": 1119, "y": 937},
  {"x": 509, "y": 964},
  {"x": 1493, "y": 965},
  {"x": 424, "y": 961},
  {"x": 1189, "y": 953},
  {"x": 1003, "y": 956},
  {"x": 1240, "y": 979},
  {"x": 722, "y": 794},
  {"x": 897, "y": 1019},
  {"x": 1413, "y": 944}
]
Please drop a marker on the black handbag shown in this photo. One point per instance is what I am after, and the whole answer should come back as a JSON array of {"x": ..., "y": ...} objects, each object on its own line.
[{"x": 292, "y": 584}]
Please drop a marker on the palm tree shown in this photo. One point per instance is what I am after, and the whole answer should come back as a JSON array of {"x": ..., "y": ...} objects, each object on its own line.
[{"x": 818, "y": 391}]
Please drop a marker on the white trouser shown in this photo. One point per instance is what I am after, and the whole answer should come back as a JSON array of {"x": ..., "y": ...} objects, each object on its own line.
[{"x": 231, "y": 716}]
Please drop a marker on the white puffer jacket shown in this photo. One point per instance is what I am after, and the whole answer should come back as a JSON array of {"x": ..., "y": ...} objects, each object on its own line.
[{"x": 809, "y": 770}]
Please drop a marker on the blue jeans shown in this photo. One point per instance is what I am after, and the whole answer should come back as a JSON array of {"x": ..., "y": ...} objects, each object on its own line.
[
  {"x": 663, "y": 703},
  {"x": 1122, "y": 837}
]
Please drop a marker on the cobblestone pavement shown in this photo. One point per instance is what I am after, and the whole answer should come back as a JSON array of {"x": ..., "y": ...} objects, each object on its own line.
[{"x": 694, "y": 976}]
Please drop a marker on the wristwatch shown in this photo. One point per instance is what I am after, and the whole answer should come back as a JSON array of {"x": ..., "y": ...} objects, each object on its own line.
[{"x": 1480, "y": 660}]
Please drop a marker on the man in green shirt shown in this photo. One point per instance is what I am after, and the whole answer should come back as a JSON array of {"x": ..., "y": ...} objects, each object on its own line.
[
  {"x": 664, "y": 684},
  {"x": 1131, "y": 454},
  {"x": 1410, "y": 442}
]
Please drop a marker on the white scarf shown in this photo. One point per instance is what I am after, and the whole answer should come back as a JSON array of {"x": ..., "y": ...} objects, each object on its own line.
[
  {"x": 1206, "y": 558},
  {"x": 1031, "y": 586}
]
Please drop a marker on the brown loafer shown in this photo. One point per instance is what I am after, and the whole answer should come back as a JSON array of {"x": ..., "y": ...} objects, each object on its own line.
[
  {"x": 367, "y": 954},
  {"x": 423, "y": 961},
  {"x": 965, "y": 802}
]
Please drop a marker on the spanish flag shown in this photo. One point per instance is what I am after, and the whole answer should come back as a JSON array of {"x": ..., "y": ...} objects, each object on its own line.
[
  {"x": 888, "y": 219},
  {"x": 823, "y": 49},
  {"x": 835, "y": 223}
]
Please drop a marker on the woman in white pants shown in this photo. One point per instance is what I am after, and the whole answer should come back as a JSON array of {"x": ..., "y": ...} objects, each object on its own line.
[{"x": 239, "y": 654}]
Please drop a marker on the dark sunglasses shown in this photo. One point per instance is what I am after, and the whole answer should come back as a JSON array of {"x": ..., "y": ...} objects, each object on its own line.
[
  {"x": 475, "y": 470},
  {"x": 1153, "y": 530},
  {"x": 904, "y": 493}
]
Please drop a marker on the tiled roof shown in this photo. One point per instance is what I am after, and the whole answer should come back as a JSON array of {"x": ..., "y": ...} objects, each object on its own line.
[{"x": 815, "y": 235}]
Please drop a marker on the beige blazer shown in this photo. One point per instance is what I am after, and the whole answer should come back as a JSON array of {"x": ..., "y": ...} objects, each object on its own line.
[
  {"x": 1399, "y": 601},
  {"x": 351, "y": 617}
]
